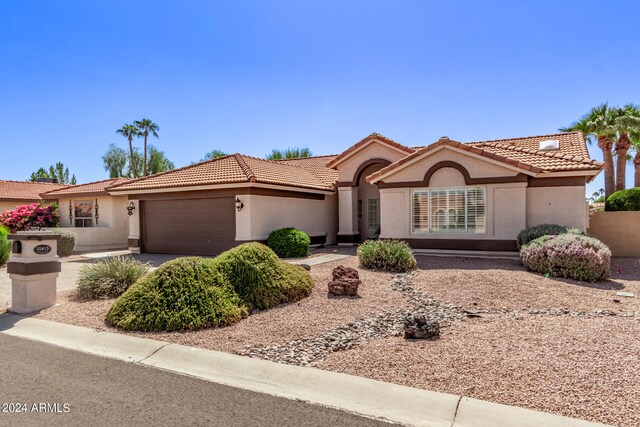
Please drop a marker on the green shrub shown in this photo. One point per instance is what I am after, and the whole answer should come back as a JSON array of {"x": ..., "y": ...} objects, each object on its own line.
[
  {"x": 289, "y": 242},
  {"x": 568, "y": 255},
  {"x": 67, "y": 242},
  {"x": 260, "y": 278},
  {"x": 531, "y": 233},
  {"x": 185, "y": 293},
  {"x": 5, "y": 245},
  {"x": 386, "y": 255},
  {"x": 109, "y": 277},
  {"x": 624, "y": 200}
]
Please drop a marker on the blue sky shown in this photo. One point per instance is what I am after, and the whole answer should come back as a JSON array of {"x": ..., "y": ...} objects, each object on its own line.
[{"x": 251, "y": 76}]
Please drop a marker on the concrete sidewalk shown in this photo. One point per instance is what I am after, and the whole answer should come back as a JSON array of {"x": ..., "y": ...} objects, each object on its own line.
[{"x": 356, "y": 395}]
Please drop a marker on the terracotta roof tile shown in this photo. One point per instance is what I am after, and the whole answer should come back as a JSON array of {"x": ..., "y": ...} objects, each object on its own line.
[
  {"x": 362, "y": 142},
  {"x": 317, "y": 165},
  {"x": 234, "y": 168},
  {"x": 24, "y": 190},
  {"x": 96, "y": 187},
  {"x": 523, "y": 153}
]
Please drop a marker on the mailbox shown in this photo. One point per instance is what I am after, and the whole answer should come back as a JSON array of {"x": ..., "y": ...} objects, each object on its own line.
[{"x": 33, "y": 268}]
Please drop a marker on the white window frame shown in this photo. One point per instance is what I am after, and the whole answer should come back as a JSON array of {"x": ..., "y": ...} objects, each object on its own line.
[
  {"x": 428, "y": 230},
  {"x": 92, "y": 218},
  {"x": 369, "y": 229}
]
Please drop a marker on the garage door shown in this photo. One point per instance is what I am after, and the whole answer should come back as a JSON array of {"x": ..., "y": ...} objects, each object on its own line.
[{"x": 188, "y": 226}]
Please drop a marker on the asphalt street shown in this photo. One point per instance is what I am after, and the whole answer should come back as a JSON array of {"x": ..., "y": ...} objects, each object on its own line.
[{"x": 55, "y": 386}]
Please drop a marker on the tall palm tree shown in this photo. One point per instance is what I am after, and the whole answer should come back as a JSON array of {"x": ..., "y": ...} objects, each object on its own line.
[
  {"x": 626, "y": 121},
  {"x": 635, "y": 143},
  {"x": 146, "y": 127},
  {"x": 129, "y": 132},
  {"x": 599, "y": 123}
]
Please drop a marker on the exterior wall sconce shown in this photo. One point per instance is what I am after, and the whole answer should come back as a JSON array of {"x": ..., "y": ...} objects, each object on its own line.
[
  {"x": 239, "y": 204},
  {"x": 70, "y": 213},
  {"x": 131, "y": 208},
  {"x": 95, "y": 208}
]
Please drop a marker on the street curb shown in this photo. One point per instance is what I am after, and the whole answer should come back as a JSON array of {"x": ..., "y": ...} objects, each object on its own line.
[{"x": 369, "y": 398}]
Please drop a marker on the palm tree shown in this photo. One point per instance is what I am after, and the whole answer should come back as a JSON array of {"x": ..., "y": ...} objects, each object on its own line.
[
  {"x": 129, "y": 131},
  {"x": 626, "y": 121},
  {"x": 635, "y": 143},
  {"x": 599, "y": 123},
  {"x": 146, "y": 127}
]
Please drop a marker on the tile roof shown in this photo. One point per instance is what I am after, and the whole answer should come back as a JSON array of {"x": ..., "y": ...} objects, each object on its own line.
[
  {"x": 97, "y": 187},
  {"x": 235, "y": 168},
  {"x": 24, "y": 190},
  {"x": 522, "y": 153},
  {"x": 317, "y": 165},
  {"x": 362, "y": 142}
]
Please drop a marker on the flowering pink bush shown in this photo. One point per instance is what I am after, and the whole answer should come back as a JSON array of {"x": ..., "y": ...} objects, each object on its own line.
[
  {"x": 568, "y": 255},
  {"x": 35, "y": 215}
]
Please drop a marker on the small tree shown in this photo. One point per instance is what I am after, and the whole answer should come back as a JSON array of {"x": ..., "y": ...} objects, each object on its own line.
[
  {"x": 213, "y": 155},
  {"x": 57, "y": 172},
  {"x": 289, "y": 153},
  {"x": 115, "y": 161}
]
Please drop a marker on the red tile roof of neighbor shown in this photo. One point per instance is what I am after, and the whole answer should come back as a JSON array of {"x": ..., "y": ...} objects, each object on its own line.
[
  {"x": 24, "y": 190},
  {"x": 237, "y": 168},
  {"x": 93, "y": 188},
  {"x": 523, "y": 153}
]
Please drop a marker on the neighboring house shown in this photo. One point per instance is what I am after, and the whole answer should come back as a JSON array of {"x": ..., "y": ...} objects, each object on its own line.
[
  {"x": 99, "y": 219},
  {"x": 448, "y": 195},
  {"x": 19, "y": 193}
]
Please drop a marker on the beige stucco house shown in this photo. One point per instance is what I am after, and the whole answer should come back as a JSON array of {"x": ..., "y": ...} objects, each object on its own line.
[
  {"x": 447, "y": 195},
  {"x": 99, "y": 219}
]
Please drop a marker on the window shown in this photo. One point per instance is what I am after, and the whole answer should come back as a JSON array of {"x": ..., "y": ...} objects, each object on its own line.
[
  {"x": 449, "y": 210},
  {"x": 83, "y": 213},
  {"x": 373, "y": 216}
]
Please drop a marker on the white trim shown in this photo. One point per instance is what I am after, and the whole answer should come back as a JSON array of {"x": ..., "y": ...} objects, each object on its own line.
[
  {"x": 457, "y": 150},
  {"x": 114, "y": 192},
  {"x": 543, "y": 175},
  {"x": 368, "y": 143}
]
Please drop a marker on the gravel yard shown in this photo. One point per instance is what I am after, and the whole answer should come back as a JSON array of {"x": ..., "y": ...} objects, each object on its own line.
[{"x": 508, "y": 335}]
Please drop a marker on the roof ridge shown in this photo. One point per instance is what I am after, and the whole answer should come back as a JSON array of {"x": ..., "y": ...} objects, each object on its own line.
[
  {"x": 523, "y": 137},
  {"x": 142, "y": 178},
  {"x": 88, "y": 183},
  {"x": 304, "y": 158},
  {"x": 245, "y": 167},
  {"x": 34, "y": 182},
  {"x": 559, "y": 154}
]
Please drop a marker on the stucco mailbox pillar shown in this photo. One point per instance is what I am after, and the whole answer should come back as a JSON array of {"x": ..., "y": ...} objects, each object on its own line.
[{"x": 33, "y": 268}]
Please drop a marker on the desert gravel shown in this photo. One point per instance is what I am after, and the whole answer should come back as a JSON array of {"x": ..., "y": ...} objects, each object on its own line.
[
  {"x": 311, "y": 316},
  {"x": 584, "y": 368},
  {"x": 509, "y": 336}
]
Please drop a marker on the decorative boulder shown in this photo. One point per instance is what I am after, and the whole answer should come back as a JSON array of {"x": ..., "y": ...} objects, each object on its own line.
[
  {"x": 345, "y": 281},
  {"x": 416, "y": 326}
]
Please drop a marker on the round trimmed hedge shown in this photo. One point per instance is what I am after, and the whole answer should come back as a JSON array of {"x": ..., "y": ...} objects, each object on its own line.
[
  {"x": 67, "y": 242},
  {"x": 386, "y": 255},
  {"x": 568, "y": 255},
  {"x": 185, "y": 293},
  {"x": 289, "y": 242},
  {"x": 624, "y": 200},
  {"x": 260, "y": 278},
  {"x": 532, "y": 233},
  {"x": 194, "y": 292}
]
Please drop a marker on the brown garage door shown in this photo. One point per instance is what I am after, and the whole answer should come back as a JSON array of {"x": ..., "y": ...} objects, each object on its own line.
[{"x": 188, "y": 226}]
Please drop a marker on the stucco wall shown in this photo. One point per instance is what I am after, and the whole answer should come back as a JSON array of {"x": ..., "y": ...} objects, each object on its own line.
[
  {"x": 477, "y": 168},
  {"x": 11, "y": 205},
  {"x": 505, "y": 214},
  {"x": 618, "y": 230},
  {"x": 375, "y": 150},
  {"x": 263, "y": 214},
  {"x": 112, "y": 229},
  {"x": 557, "y": 205}
]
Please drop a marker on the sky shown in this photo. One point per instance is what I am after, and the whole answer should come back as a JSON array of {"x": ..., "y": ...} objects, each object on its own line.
[{"x": 251, "y": 76}]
